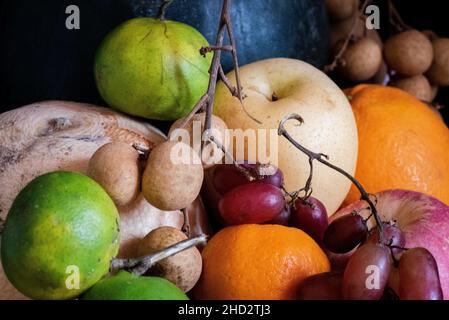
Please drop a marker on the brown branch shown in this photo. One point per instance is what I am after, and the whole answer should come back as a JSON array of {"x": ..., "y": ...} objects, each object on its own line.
[
  {"x": 227, "y": 83},
  {"x": 141, "y": 265},
  {"x": 216, "y": 62},
  {"x": 234, "y": 56},
  {"x": 205, "y": 50},
  {"x": 249, "y": 174},
  {"x": 321, "y": 158},
  {"x": 207, "y": 101},
  {"x": 186, "y": 224},
  {"x": 395, "y": 18}
]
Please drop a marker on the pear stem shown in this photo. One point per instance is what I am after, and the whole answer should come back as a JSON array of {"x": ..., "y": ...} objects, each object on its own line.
[
  {"x": 320, "y": 158},
  {"x": 140, "y": 266}
]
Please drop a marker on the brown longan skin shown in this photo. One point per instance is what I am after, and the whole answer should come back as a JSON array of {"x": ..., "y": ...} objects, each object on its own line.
[
  {"x": 340, "y": 29},
  {"x": 417, "y": 86},
  {"x": 183, "y": 268},
  {"x": 341, "y": 9},
  {"x": 381, "y": 75},
  {"x": 439, "y": 71},
  {"x": 216, "y": 123},
  {"x": 115, "y": 166},
  {"x": 172, "y": 186},
  {"x": 362, "y": 60},
  {"x": 409, "y": 53}
]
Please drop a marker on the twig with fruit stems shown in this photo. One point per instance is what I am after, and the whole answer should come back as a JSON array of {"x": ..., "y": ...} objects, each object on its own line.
[
  {"x": 216, "y": 70},
  {"x": 320, "y": 158},
  {"x": 395, "y": 18},
  {"x": 337, "y": 58},
  {"x": 141, "y": 265},
  {"x": 249, "y": 174}
]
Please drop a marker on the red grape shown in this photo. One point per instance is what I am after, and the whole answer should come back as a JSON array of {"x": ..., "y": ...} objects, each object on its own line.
[
  {"x": 282, "y": 218},
  {"x": 255, "y": 202},
  {"x": 310, "y": 215},
  {"x": 339, "y": 260},
  {"x": 418, "y": 276},
  {"x": 226, "y": 177},
  {"x": 367, "y": 272},
  {"x": 345, "y": 233},
  {"x": 267, "y": 173},
  {"x": 322, "y": 286},
  {"x": 392, "y": 236}
]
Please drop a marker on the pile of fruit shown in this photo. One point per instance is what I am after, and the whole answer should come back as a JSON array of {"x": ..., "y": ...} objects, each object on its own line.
[
  {"x": 414, "y": 61},
  {"x": 352, "y": 202}
]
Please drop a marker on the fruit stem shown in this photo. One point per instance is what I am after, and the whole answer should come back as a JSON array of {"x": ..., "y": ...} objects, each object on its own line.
[
  {"x": 163, "y": 8},
  {"x": 395, "y": 18},
  {"x": 337, "y": 58},
  {"x": 141, "y": 265},
  {"x": 319, "y": 157},
  {"x": 249, "y": 174},
  {"x": 216, "y": 70},
  {"x": 186, "y": 224}
]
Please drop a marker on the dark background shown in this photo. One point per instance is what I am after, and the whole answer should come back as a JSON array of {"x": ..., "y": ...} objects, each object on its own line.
[{"x": 41, "y": 60}]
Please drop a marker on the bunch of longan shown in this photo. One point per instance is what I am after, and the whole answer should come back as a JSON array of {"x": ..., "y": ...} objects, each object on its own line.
[
  {"x": 414, "y": 61},
  {"x": 362, "y": 58}
]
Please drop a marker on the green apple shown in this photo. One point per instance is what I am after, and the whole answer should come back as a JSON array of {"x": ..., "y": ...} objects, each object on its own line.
[{"x": 152, "y": 68}]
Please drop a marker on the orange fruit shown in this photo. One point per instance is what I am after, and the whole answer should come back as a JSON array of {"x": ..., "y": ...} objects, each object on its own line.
[
  {"x": 258, "y": 262},
  {"x": 403, "y": 144}
]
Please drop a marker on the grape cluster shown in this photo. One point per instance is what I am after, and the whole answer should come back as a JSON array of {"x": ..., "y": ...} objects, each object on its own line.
[
  {"x": 376, "y": 264},
  {"x": 379, "y": 265}
]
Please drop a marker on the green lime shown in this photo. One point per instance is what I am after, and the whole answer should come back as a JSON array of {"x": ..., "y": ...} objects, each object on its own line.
[
  {"x": 152, "y": 68},
  {"x": 127, "y": 286},
  {"x": 60, "y": 236}
]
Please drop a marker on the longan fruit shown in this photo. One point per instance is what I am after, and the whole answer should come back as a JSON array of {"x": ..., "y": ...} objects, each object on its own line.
[
  {"x": 381, "y": 75},
  {"x": 341, "y": 9},
  {"x": 361, "y": 60},
  {"x": 340, "y": 30},
  {"x": 409, "y": 53},
  {"x": 430, "y": 34},
  {"x": 417, "y": 86},
  {"x": 438, "y": 73},
  {"x": 218, "y": 130},
  {"x": 173, "y": 176},
  {"x": 183, "y": 268},
  {"x": 433, "y": 91},
  {"x": 115, "y": 166}
]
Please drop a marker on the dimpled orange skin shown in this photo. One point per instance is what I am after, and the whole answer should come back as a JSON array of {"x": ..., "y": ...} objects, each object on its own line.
[
  {"x": 259, "y": 262},
  {"x": 403, "y": 144}
]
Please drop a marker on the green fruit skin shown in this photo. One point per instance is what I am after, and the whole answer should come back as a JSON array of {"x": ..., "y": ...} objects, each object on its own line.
[
  {"x": 58, "y": 220},
  {"x": 152, "y": 68},
  {"x": 127, "y": 286}
]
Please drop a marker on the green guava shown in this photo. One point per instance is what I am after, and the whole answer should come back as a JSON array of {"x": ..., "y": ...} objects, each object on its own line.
[
  {"x": 60, "y": 236},
  {"x": 152, "y": 68},
  {"x": 127, "y": 286}
]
